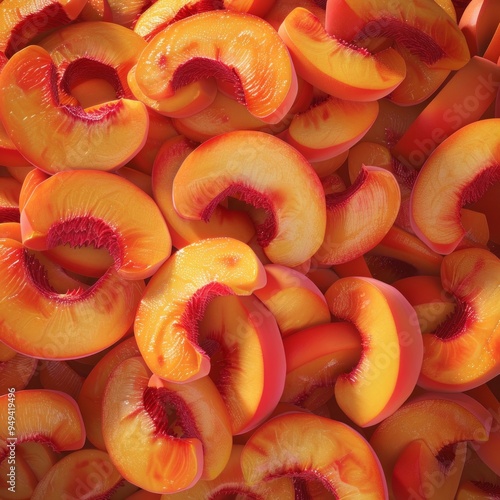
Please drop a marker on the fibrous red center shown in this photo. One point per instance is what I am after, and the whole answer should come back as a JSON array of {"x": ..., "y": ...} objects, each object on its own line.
[{"x": 457, "y": 322}]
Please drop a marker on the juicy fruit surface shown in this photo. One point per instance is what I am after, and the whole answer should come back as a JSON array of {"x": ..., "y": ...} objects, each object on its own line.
[{"x": 249, "y": 248}]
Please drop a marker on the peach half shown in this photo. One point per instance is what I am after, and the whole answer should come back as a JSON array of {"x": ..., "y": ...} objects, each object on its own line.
[
  {"x": 312, "y": 448},
  {"x": 166, "y": 324},
  {"x": 91, "y": 208},
  {"x": 69, "y": 137},
  {"x": 247, "y": 54},
  {"x": 336, "y": 67},
  {"x": 268, "y": 174},
  {"x": 181, "y": 432},
  {"x": 442, "y": 188},
  {"x": 392, "y": 350}
]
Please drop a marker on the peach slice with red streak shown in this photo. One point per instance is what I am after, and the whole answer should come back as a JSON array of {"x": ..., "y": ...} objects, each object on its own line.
[
  {"x": 430, "y": 425},
  {"x": 102, "y": 137},
  {"x": 81, "y": 474},
  {"x": 375, "y": 193},
  {"x": 22, "y": 21},
  {"x": 258, "y": 67},
  {"x": 9, "y": 199},
  {"x": 390, "y": 363},
  {"x": 422, "y": 27},
  {"x": 441, "y": 189},
  {"x": 293, "y": 299},
  {"x": 335, "y": 66},
  {"x": 264, "y": 172},
  {"x": 330, "y": 127},
  {"x": 16, "y": 372},
  {"x": 223, "y": 222},
  {"x": 313, "y": 448},
  {"x": 166, "y": 328},
  {"x": 315, "y": 357},
  {"x": 181, "y": 432},
  {"x": 138, "y": 240},
  {"x": 246, "y": 356}
]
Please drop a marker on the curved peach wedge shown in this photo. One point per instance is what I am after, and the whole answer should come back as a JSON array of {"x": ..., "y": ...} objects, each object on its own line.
[
  {"x": 266, "y": 173},
  {"x": 442, "y": 188},
  {"x": 390, "y": 363},
  {"x": 16, "y": 372},
  {"x": 257, "y": 65},
  {"x": 181, "y": 432},
  {"x": 177, "y": 296},
  {"x": 311, "y": 447},
  {"x": 336, "y": 67},
  {"x": 10, "y": 190},
  {"x": 69, "y": 208},
  {"x": 69, "y": 137}
]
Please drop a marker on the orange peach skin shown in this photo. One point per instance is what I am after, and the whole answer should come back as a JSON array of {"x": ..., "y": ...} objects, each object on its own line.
[
  {"x": 176, "y": 297},
  {"x": 193, "y": 48},
  {"x": 103, "y": 137},
  {"x": 266, "y": 173},
  {"x": 308, "y": 446},
  {"x": 336, "y": 67},
  {"x": 389, "y": 366}
]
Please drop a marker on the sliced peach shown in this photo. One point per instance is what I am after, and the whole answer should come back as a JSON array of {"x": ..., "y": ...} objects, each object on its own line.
[
  {"x": 328, "y": 167},
  {"x": 259, "y": 67},
  {"x": 439, "y": 422},
  {"x": 293, "y": 299},
  {"x": 19, "y": 173},
  {"x": 281, "y": 9},
  {"x": 256, "y": 7},
  {"x": 96, "y": 10},
  {"x": 389, "y": 366},
  {"x": 441, "y": 190},
  {"x": 74, "y": 213},
  {"x": 315, "y": 357},
  {"x": 22, "y": 21},
  {"x": 9, "y": 199},
  {"x": 181, "y": 432},
  {"x": 11, "y": 157},
  {"x": 166, "y": 327},
  {"x": 59, "y": 376},
  {"x": 16, "y": 372},
  {"x": 330, "y": 127},
  {"x": 336, "y": 67},
  {"x": 376, "y": 194},
  {"x": 478, "y": 24},
  {"x": 223, "y": 222},
  {"x": 140, "y": 179},
  {"x": 103, "y": 137},
  {"x": 310, "y": 447},
  {"x": 265, "y": 172},
  {"x": 354, "y": 267},
  {"x": 40, "y": 322},
  {"x": 126, "y": 13},
  {"x": 6, "y": 353},
  {"x": 424, "y": 28},
  {"x": 83, "y": 473},
  {"x": 323, "y": 278},
  {"x": 477, "y": 231}
]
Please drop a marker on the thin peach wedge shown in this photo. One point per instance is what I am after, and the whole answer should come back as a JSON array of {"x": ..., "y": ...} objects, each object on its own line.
[
  {"x": 10, "y": 190},
  {"x": 258, "y": 66},
  {"x": 16, "y": 372},
  {"x": 176, "y": 296},
  {"x": 262, "y": 171}
]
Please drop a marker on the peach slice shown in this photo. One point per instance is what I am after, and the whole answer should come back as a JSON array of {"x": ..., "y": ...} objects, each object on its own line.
[
  {"x": 74, "y": 213},
  {"x": 22, "y": 21},
  {"x": 330, "y": 166},
  {"x": 423, "y": 28},
  {"x": 476, "y": 228},
  {"x": 126, "y": 13},
  {"x": 375, "y": 193},
  {"x": 9, "y": 199},
  {"x": 293, "y": 299},
  {"x": 330, "y": 127},
  {"x": 354, "y": 267},
  {"x": 431, "y": 425},
  {"x": 315, "y": 357},
  {"x": 16, "y": 372},
  {"x": 441, "y": 189},
  {"x": 478, "y": 24},
  {"x": 96, "y": 10},
  {"x": 390, "y": 364},
  {"x": 281, "y": 9},
  {"x": 247, "y": 358},
  {"x": 259, "y": 68},
  {"x": 103, "y": 137},
  {"x": 40, "y": 322},
  {"x": 336, "y": 67},
  {"x": 59, "y": 376},
  {"x": 223, "y": 222},
  {"x": 83, "y": 473},
  {"x": 256, "y": 7},
  {"x": 181, "y": 432},
  {"x": 166, "y": 327},
  {"x": 263, "y": 171},
  {"x": 311, "y": 447},
  {"x": 11, "y": 157}
]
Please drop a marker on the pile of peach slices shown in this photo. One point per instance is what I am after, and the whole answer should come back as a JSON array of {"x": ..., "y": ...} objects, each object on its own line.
[{"x": 249, "y": 249}]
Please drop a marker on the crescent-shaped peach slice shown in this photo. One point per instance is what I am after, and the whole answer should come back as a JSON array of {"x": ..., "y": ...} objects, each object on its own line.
[
  {"x": 449, "y": 180},
  {"x": 90, "y": 208},
  {"x": 69, "y": 137},
  {"x": 16, "y": 372},
  {"x": 177, "y": 296},
  {"x": 247, "y": 53},
  {"x": 262, "y": 171}
]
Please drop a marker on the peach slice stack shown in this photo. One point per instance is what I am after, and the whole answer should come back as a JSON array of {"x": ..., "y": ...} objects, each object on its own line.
[{"x": 249, "y": 249}]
